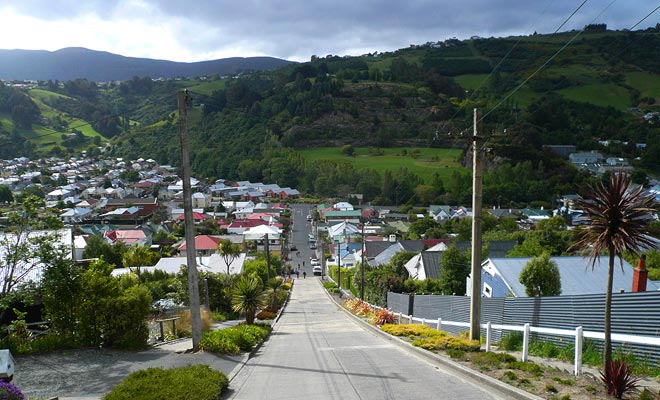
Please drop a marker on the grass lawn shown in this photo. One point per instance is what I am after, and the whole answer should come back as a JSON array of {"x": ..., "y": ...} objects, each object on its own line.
[
  {"x": 429, "y": 161},
  {"x": 208, "y": 87},
  {"x": 602, "y": 94},
  {"x": 648, "y": 84},
  {"x": 470, "y": 81}
]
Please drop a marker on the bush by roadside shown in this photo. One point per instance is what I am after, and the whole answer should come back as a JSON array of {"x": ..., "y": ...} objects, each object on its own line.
[
  {"x": 197, "y": 382},
  {"x": 235, "y": 339}
]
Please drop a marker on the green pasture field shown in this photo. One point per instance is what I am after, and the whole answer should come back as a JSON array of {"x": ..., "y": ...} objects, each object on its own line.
[
  {"x": 46, "y": 96},
  {"x": 429, "y": 161},
  {"x": 206, "y": 87},
  {"x": 647, "y": 83},
  {"x": 470, "y": 81},
  {"x": 600, "y": 94}
]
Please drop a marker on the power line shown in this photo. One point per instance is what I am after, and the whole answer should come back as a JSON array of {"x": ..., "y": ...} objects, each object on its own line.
[
  {"x": 571, "y": 40},
  {"x": 647, "y": 15}
]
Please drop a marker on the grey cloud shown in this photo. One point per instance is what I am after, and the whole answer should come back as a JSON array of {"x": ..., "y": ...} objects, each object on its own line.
[{"x": 300, "y": 28}]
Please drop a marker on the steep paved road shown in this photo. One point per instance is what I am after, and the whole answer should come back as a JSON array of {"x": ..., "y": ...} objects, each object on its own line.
[{"x": 318, "y": 352}]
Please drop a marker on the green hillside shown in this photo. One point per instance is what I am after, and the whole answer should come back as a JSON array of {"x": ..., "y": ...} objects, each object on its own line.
[
  {"x": 423, "y": 162},
  {"x": 288, "y": 125}
]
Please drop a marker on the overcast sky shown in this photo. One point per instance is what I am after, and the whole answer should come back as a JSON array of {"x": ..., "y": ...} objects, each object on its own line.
[{"x": 196, "y": 30}]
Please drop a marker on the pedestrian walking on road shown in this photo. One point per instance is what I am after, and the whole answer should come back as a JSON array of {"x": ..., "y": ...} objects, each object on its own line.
[
  {"x": 304, "y": 275},
  {"x": 297, "y": 274}
]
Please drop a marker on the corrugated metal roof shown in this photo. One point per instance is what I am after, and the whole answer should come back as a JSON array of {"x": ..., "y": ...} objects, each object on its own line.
[{"x": 576, "y": 274}]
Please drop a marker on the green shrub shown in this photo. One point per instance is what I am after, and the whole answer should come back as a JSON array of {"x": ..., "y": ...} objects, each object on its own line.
[
  {"x": 218, "y": 344},
  {"x": 233, "y": 340},
  {"x": 329, "y": 285},
  {"x": 492, "y": 359},
  {"x": 456, "y": 354},
  {"x": 525, "y": 366},
  {"x": 543, "y": 349},
  {"x": 550, "y": 388},
  {"x": 512, "y": 341},
  {"x": 510, "y": 375},
  {"x": 197, "y": 382}
]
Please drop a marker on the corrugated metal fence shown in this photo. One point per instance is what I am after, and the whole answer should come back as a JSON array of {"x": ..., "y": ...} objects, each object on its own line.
[{"x": 632, "y": 313}]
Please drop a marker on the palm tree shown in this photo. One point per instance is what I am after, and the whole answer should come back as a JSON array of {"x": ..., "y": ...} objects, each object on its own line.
[
  {"x": 274, "y": 289},
  {"x": 618, "y": 220},
  {"x": 248, "y": 296},
  {"x": 229, "y": 251}
]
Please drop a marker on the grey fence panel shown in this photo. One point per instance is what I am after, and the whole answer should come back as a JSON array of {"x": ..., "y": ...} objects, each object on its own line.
[
  {"x": 492, "y": 309},
  {"x": 398, "y": 302}
]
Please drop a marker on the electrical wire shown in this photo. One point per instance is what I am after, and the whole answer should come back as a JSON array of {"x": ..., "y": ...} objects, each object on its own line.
[{"x": 561, "y": 49}]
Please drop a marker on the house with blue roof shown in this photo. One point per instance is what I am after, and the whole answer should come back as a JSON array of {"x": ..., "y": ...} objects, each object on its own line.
[{"x": 500, "y": 276}]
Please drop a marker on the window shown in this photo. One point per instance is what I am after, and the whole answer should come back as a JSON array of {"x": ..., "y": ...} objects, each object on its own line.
[{"x": 488, "y": 291}]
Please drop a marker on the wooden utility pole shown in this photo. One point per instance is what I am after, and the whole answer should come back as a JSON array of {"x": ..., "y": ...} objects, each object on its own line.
[
  {"x": 475, "y": 292},
  {"x": 267, "y": 248},
  {"x": 362, "y": 264},
  {"x": 193, "y": 284}
]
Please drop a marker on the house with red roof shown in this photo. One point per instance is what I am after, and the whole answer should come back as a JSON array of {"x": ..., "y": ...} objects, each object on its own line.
[
  {"x": 197, "y": 217},
  {"x": 205, "y": 245},
  {"x": 126, "y": 236},
  {"x": 238, "y": 227}
]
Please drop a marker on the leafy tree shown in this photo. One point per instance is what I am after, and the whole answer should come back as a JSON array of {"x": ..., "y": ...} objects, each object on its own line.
[
  {"x": 421, "y": 226},
  {"x": 347, "y": 150},
  {"x": 618, "y": 220},
  {"x": 455, "y": 268},
  {"x": 229, "y": 252},
  {"x": 540, "y": 276},
  {"x": 97, "y": 247},
  {"x": 5, "y": 194},
  {"x": 20, "y": 246},
  {"x": 139, "y": 256},
  {"x": 248, "y": 296},
  {"x": 530, "y": 247}
]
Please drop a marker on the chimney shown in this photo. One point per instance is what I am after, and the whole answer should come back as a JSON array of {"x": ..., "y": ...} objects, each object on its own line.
[{"x": 640, "y": 275}]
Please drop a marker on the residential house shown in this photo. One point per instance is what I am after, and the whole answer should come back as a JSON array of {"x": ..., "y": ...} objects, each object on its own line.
[
  {"x": 75, "y": 215},
  {"x": 205, "y": 245},
  {"x": 440, "y": 212},
  {"x": 500, "y": 276},
  {"x": 127, "y": 236},
  {"x": 201, "y": 200},
  {"x": 426, "y": 264},
  {"x": 386, "y": 255}
]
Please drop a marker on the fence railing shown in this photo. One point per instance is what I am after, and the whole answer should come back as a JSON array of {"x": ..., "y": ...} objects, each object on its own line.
[{"x": 578, "y": 334}]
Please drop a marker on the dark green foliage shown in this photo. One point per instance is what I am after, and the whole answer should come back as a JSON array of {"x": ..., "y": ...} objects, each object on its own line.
[
  {"x": 540, "y": 276},
  {"x": 191, "y": 382},
  {"x": 511, "y": 341},
  {"x": 455, "y": 268},
  {"x": 234, "y": 339},
  {"x": 94, "y": 308},
  {"x": 111, "y": 253}
]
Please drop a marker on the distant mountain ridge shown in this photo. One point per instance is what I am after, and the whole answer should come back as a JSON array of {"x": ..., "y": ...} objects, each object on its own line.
[{"x": 100, "y": 66}]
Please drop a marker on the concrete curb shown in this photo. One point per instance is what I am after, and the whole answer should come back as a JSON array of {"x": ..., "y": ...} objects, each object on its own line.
[{"x": 508, "y": 390}]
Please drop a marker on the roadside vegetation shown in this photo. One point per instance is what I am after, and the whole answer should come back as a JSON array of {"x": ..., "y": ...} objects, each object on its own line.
[{"x": 191, "y": 382}]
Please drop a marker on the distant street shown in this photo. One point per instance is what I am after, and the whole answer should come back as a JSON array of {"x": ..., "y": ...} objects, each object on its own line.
[
  {"x": 300, "y": 229},
  {"x": 318, "y": 352}
]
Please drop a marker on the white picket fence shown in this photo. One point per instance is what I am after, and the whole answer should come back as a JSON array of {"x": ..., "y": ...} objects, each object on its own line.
[{"x": 578, "y": 334}]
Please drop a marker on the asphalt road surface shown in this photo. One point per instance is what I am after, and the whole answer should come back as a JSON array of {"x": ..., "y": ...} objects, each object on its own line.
[{"x": 318, "y": 352}]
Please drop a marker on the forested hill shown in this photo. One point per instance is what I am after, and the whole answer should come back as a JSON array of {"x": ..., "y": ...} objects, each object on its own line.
[
  {"x": 600, "y": 93},
  {"x": 100, "y": 66}
]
